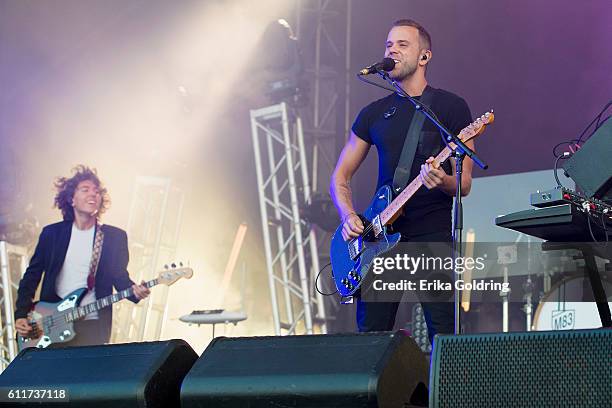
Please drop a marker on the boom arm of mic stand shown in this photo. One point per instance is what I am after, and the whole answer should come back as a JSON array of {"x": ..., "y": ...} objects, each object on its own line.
[{"x": 450, "y": 137}]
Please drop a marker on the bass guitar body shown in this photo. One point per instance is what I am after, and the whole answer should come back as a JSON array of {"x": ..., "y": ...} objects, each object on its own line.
[
  {"x": 351, "y": 260},
  {"x": 48, "y": 325}
]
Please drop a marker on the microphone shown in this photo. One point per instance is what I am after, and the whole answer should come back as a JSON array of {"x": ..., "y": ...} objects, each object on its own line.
[{"x": 387, "y": 64}]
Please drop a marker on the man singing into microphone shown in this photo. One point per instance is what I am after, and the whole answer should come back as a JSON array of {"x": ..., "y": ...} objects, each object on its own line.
[{"x": 385, "y": 124}]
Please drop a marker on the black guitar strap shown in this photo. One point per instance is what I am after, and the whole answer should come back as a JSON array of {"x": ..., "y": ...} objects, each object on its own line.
[{"x": 402, "y": 171}]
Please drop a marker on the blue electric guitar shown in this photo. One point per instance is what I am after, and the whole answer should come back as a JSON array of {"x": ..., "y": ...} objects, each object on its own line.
[{"x": 351, "y": 260}]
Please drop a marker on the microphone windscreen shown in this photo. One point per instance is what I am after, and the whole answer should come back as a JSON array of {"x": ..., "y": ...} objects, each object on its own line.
[{"x": 388, "y": 64}]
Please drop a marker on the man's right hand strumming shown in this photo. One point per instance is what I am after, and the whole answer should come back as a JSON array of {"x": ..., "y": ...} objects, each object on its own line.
[
  {"x": 352, "y": 226},
  {"x": 23, "y": 327}
]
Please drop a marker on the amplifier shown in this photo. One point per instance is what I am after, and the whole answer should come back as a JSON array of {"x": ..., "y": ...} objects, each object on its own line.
[{"x": 571, "y": 368}]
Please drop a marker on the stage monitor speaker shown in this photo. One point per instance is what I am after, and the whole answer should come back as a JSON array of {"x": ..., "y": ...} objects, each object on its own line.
[
  {"x": 334, "y": 370},
  {"x": 531, "y": 369},
  {"x": 110, "y": 376},
  {"x": 591, "y": 166}
]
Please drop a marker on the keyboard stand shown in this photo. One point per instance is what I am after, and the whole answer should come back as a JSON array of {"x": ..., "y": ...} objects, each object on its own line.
[{"x": 588, "y": 253}]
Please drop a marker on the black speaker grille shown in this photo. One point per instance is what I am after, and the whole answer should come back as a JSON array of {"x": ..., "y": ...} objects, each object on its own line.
[{"x": 536, "y": 369}]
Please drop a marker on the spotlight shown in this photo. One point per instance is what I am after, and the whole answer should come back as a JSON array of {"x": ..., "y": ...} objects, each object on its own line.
[{"x": 283, "y": 64}]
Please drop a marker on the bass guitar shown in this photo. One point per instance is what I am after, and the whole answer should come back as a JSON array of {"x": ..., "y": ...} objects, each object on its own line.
[
  {"x": 54, "y": 322},
  {"x": 351, "y": 260}
]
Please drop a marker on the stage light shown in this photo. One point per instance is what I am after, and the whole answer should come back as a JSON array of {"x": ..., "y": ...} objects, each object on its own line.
[{"x": 282, "y": 62}]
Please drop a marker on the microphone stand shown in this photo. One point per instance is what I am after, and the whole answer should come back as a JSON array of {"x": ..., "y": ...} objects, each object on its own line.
[{"x": 459, "y": 153}]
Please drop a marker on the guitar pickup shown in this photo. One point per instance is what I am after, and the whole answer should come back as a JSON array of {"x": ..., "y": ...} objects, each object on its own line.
[
  {"x": 355, "y": 247},
  {"x": 377, "y": 225}
]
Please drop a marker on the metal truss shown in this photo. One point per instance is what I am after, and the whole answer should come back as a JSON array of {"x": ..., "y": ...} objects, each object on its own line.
[
  {"x": 290, "y": 244},
  {"x": 323, "y": 29},
  {"x": 324, "y": 33},
  {"x": 13, "y": 263},
  {"x": 153, "y": 229}
]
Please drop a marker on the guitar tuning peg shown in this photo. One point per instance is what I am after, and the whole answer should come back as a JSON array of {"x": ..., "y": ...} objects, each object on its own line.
[
  {"x": 181, "y": 264},
  {"x": 173, "y": 265},
  {"x": 166, "y": 266}
]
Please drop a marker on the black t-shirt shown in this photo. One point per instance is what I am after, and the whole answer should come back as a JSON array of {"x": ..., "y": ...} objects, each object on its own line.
[{"x": 384, "y": 123}]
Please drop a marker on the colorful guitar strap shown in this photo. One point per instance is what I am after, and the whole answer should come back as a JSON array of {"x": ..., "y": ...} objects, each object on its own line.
[{"x": 95, "y": 257}]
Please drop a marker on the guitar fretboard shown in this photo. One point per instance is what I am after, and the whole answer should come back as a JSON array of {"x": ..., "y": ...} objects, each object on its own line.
[
  {"x": 397, "y": 204},
  {"x": 467, "y": 133},
  {"x": 82, "y": 311}
]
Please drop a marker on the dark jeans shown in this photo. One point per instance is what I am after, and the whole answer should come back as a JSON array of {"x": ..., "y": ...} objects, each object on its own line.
[{"x": 380, "y": 316}]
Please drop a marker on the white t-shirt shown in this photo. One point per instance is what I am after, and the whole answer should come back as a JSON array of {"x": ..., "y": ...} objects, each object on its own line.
[{"x": 75, "y": 270}]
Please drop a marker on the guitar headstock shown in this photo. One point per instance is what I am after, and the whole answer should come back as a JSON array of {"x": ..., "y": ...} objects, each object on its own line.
[
  {"x": 475, "y": 128},
  {"x": 173, "y": 273}
]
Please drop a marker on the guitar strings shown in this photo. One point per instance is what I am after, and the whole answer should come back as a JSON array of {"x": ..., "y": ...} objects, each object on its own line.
[
  {"x": 481, "y": 119},
  {"x": 62, "y": 316},
  {"x": 371, "y": 225}
]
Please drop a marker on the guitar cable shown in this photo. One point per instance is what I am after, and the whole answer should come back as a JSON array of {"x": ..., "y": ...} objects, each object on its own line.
[{"x": 316, "y": 285}]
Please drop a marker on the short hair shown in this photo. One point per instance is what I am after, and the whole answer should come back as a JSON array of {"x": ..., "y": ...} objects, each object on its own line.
[
  {"x": 66, "y": 186},
  {"x": 424, "y": 37}
]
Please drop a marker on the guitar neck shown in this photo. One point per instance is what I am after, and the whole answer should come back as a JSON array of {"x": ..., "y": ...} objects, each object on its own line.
[
  {"x": 396, "y": 205},
  {"x": 82, "y": 311}
]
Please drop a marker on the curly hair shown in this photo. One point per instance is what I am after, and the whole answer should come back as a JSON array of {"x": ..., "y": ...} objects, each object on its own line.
[{"x": 67, "y": 186}]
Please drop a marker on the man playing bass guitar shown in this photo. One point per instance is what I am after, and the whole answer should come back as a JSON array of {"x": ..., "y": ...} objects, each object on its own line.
[{"x": 78, "y": 252}]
